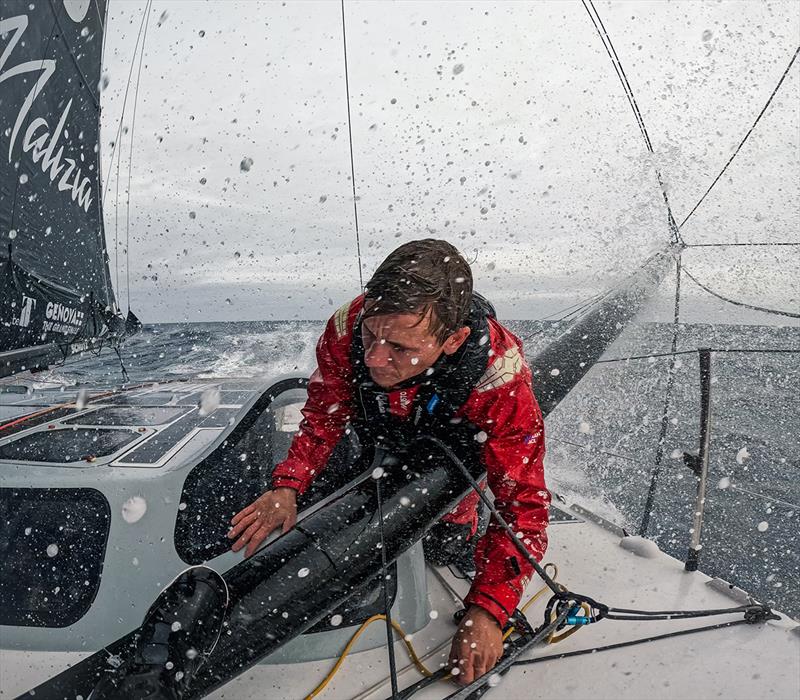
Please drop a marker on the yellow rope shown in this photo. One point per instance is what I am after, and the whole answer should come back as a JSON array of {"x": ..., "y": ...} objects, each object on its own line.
[
  {"x": 536, "y": 596},
  {"x": 552, "y": 639},
  {"x": 413, "y": 654}
]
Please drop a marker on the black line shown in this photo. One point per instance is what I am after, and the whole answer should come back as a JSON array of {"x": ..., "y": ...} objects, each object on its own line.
[
  {"x": 620, "y": 645},
  {"x": 352, "y": 165},
  {"x": 694, "y": 350},
  {"x": 125, "y": 98},
  {"x": 130, "y": 168},
  {"x": 662, "y": 437},
  {"x": 750, "y": 131},
  {"x": 626, "y": 86},
  {"x": 764, "y": 309},
  {"x": 726, "y": 245},
  {"x": 592, "y": 448}
]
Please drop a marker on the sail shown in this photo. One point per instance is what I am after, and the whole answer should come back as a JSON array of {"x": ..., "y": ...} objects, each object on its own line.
[{"x": 55, "y": 288}]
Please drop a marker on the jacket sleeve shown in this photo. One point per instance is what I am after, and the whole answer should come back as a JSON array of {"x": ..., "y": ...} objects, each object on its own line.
[
  {"x": 513, "y": 454},
  {"x": 327, "y": 409}
]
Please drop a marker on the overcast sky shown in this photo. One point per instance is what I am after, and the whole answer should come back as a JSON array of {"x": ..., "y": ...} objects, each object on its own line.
[{"x": 500, "y": 126}]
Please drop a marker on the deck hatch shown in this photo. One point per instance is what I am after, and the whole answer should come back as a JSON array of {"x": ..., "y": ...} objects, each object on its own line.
[{"x": 52, "y": 546}]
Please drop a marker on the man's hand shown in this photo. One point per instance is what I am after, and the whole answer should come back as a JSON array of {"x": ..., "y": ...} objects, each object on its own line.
[
  {"x": 477, "y": 645},
  {"x": 273, "y": 509}
]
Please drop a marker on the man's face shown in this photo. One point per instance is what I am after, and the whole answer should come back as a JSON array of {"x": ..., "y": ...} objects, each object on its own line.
[{"x": 400, "y": 346}]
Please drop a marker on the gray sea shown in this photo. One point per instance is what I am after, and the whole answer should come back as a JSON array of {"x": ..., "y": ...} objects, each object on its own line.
[{"x": 603, "y": 439}]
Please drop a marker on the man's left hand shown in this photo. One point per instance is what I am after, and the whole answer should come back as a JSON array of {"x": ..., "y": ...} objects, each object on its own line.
[{"x": 477, "y": 645}]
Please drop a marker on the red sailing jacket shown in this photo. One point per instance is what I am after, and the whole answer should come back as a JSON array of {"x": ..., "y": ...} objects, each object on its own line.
[{"x": 501, "y": 405}]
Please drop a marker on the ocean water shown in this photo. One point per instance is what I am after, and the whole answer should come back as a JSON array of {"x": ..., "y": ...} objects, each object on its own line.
[{"x": 603, "y": 438}]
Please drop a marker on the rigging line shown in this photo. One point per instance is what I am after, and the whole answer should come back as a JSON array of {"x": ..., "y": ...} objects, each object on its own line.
[
  {"x": 387, "y": 608},
  {"x": 590, "y": 449},
  {"x": 576, "y": 306},
  {"x": 727, "y": 245},
  {"x": 572, "y": 309},
  {"x": 75, "y": 61},
  {"x": 130, "y": 168},
  {"x": 777, "y": 312},
  {"x": 584, "y": 306},
  {"x": 125, "y": 97},
  {"x": 635, "y": 109},
  {"x": 764, "y": 496},
  {"x": 619, "y": 645},
  {"x": 350, "y": 138},
  {"x": 694, "y": 350},
  {"x": 750, "y": 131},
  {"x": 644, "y": 357},
  {"x": 612, "y": 53},
  {"x": 662, "y": 436},
  {"x": 116, "y": 219},
  {"x": 670, "y": 217}
]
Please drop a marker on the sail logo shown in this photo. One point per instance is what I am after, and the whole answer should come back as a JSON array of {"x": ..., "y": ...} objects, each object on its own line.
[
  {"x": 62, "y": 318},
  {"x": 38, "y": 136},
  {"x": 28, "y": 305}
]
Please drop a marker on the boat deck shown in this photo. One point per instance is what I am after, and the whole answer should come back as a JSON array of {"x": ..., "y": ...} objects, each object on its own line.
[{"x": 744, "y": 661}]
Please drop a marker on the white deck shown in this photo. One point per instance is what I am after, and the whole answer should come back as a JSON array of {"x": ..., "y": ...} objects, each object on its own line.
[{"x": 759, "y": 661}]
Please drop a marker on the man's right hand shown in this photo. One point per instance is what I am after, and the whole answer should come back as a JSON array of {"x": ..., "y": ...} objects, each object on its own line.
[{"x": 252, "y": 525}]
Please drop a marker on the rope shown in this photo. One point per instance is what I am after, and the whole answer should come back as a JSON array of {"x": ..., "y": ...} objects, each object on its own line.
[
  {"x": 727, "y": 245},
  {"x": 643, "y": 357},
  {"x": 125, "y": 97},
  {"x": 734, "y": 487},
  {"x": 641, "y": 615},
  {"x": 589, "y": 448},
  {"x": 662, "y": 436},
  {"x": 694, "y": 350},
  {"x": 508, "y": 659},
  {"x": 443, "y": 673},
  {"x": 352, "y": 164},
  {"x": 387, "y": 608},
  {"x": 776, "y": 312},
  {"x": 130, "y": 168},
  {"x": 623, "y": 78},
  {"x": 551, "y": 584},
  {"x": 632, "y": 642},
  {"x": 738, "y": 148},
  {"x": 392, "y": 624},
  {"x": 125, "y": 377}
]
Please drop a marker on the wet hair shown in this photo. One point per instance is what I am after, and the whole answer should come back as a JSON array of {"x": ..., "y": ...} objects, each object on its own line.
[{"x": 428, "y": 275}]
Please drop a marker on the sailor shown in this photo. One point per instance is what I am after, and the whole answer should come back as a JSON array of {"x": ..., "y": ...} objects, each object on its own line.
[{"x": 420, "y": 353}]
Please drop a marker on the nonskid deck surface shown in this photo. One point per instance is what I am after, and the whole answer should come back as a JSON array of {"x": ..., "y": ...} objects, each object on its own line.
[
  {"x": 739, "y": 662},
  {"x": 744, "y": 661}
]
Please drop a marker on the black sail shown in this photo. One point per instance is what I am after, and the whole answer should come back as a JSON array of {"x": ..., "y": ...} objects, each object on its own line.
[{"x": 55, "y": 290}]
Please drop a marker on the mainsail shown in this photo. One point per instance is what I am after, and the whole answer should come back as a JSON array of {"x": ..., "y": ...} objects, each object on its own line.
[{"x": 56, "y": 296}]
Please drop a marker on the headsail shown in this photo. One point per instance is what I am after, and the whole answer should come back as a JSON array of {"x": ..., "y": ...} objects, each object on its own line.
[{"x": 55, "y": 289}]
